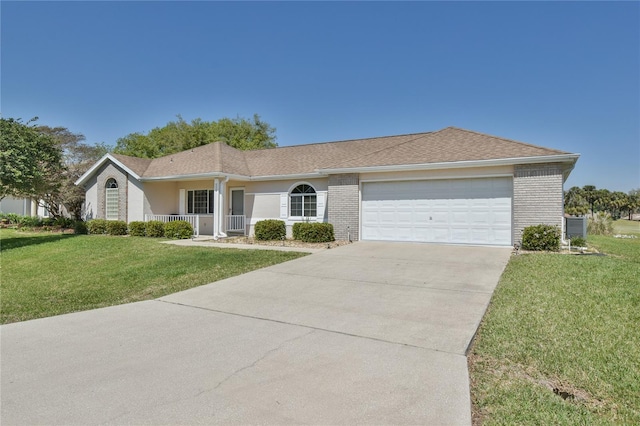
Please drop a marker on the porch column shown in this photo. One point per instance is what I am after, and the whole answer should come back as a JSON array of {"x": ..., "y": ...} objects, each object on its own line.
[
  {"x": 216, "y": 222},
  {"x": 219, "y": 208}
]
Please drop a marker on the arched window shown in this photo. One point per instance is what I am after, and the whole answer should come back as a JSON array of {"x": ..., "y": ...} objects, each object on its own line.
[
  {"x": 111, "y": 199},
  {"x": 303, "y": 201}
]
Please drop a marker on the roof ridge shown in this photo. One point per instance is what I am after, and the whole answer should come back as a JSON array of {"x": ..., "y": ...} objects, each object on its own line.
[
  {"x": 240, "y": 152},
  {"x": 501, "y": 138},
  {"x": 368, "y": 154},
  {"x": 341, "y": 141}
]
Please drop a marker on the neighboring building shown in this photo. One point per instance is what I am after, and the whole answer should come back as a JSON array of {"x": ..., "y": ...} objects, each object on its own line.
[
  {"x": 23, "y": 207},
  {"x": 449, "y": 186}
]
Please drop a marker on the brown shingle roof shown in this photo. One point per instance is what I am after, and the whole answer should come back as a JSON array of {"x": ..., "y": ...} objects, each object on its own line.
[
  {"x": 447, "y": 145},
  {"x": 137, "y": 165}
]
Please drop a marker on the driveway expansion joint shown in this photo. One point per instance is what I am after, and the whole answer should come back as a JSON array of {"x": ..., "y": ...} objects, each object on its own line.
[
  {"x": 425, "y": 287},
  {"x": 312, "y": 328}
]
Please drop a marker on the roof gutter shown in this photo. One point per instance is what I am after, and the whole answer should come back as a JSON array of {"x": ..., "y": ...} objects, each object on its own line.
[
  {"x": 196, "y": 176},
  {"x": 562, "y": 158},
  {"x": 202, "y": 176},
  {"x": 292, "y": 176}
]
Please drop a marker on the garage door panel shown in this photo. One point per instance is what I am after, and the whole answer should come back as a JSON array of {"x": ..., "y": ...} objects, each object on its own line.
[
  {"x": 502, "y": 218},
  {"x": 440, "y": 234},
  {"x": 480, "y": 236},
  {"x": 479, "y": 219},
  {"x": 465, "y": 211}
]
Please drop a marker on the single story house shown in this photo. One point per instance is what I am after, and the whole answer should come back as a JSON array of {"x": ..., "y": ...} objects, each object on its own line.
[{"x": 449, "y": 186}]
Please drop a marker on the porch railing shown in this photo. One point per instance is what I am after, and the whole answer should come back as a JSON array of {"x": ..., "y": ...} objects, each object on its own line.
[
  {"x": 193, "y": 219},
  {"x": 236, "y": 223}
]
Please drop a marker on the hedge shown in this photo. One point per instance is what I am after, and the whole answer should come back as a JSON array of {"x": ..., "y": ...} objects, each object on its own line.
[
  {"x": 270, "y": 229},
  {"x": 137, "y": 229},
  {"x": 116, "y": 227},
  {"x": 178, "y": 229},
  {"x": 97, "y": 226},
  {"x": 313, "y": 232},
  {"x": 79, "y": 227},
  {"x": 155, "y": 228}
]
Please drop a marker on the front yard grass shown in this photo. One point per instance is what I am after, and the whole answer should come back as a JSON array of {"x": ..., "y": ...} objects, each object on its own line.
[
  {"x": 560, "y": 343},
  {"x": 45, "y": 274}
]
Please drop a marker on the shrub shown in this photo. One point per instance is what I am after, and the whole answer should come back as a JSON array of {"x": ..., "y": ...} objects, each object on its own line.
[
  {"x": 155, "y": 229},
  {"x": 270, "y": 229},
  {"x": 47, "y": 221},
  {"x": 64, "y": 222},
  {"x": 10, "y": 217},
  {"x": 178, "y": 229},
  {"x": 313, "y": 232},
  {"x": 97, "y": 226},
  {"x": 79, "y": 227},
  {"x": 29, "y": 221},
  {"x": 137, "y": 229},
  {"x": 116, "y": 227},
  {"x": 600, "y": 224},
  {"x": 578, "y": 242},
  {"x": 541, "y": 237}
]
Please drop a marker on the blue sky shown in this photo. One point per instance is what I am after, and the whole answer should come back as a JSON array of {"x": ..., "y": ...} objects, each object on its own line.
[{"x": 564, "y": 75}]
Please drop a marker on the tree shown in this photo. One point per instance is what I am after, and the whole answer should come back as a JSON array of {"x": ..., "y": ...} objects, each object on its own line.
[
  {"x": 179, "y": 135},
  {"x": 617, "y": 202},
  {"x": 27, "y": 159},
  {"x": 575, "y": 202},
  {"x": 633, "y": 204},
  {"x": 77, "y": 158}
]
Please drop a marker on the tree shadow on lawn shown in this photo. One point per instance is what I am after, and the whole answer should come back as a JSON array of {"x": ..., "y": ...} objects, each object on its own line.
[{"x": 17, "y": 242}]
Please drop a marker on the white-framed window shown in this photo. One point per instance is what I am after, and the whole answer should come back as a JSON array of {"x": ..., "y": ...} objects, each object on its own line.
[
  {"x": 111, "y": 199},
  {"x": 200, "y": 201},
  {"x": 303, "y": 201}
]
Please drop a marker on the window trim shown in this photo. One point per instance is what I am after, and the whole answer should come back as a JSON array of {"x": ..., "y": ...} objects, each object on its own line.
[
  {"x": 303, "y": 196},
  {"x": 191, "y": 198}
]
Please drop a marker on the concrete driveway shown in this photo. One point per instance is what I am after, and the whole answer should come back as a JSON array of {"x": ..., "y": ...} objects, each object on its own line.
[{"x": 365, "y": 333}]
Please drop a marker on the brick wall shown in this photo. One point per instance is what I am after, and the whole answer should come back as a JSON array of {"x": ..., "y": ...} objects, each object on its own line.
[
  {"x": 343, "y": 205},
  {"x": 537, "y": 196},
  {"x": 105, "y": 173}
]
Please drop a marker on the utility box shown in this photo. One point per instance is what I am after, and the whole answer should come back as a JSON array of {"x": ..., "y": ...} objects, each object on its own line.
[{"x": 576, "y": 226}]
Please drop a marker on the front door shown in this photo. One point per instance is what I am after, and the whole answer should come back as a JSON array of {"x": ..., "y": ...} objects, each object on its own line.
[{"x": 237, "y": 202}]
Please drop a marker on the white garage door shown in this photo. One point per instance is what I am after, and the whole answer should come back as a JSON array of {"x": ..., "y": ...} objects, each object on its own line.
[{"x": 464, "y": 211}]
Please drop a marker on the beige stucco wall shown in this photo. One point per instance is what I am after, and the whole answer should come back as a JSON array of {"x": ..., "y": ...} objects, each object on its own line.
[
  {"x": 160, "y": 197},
  {"x": 135, "y": 204},
  {"x": 262, "y": 199},
  {"x": 91, "y": 200}
]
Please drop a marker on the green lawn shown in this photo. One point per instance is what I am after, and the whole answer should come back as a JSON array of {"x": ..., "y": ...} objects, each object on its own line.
[
  {"x": 624, "y": 226},
  {"x": 45, "y": 274},
  {"x": 564, "y": 322}
]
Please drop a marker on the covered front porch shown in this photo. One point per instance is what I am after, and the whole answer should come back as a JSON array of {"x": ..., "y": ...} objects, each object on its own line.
[
  {"x": 202, "y": 223},
  {"x": 212, "y": 207}
]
